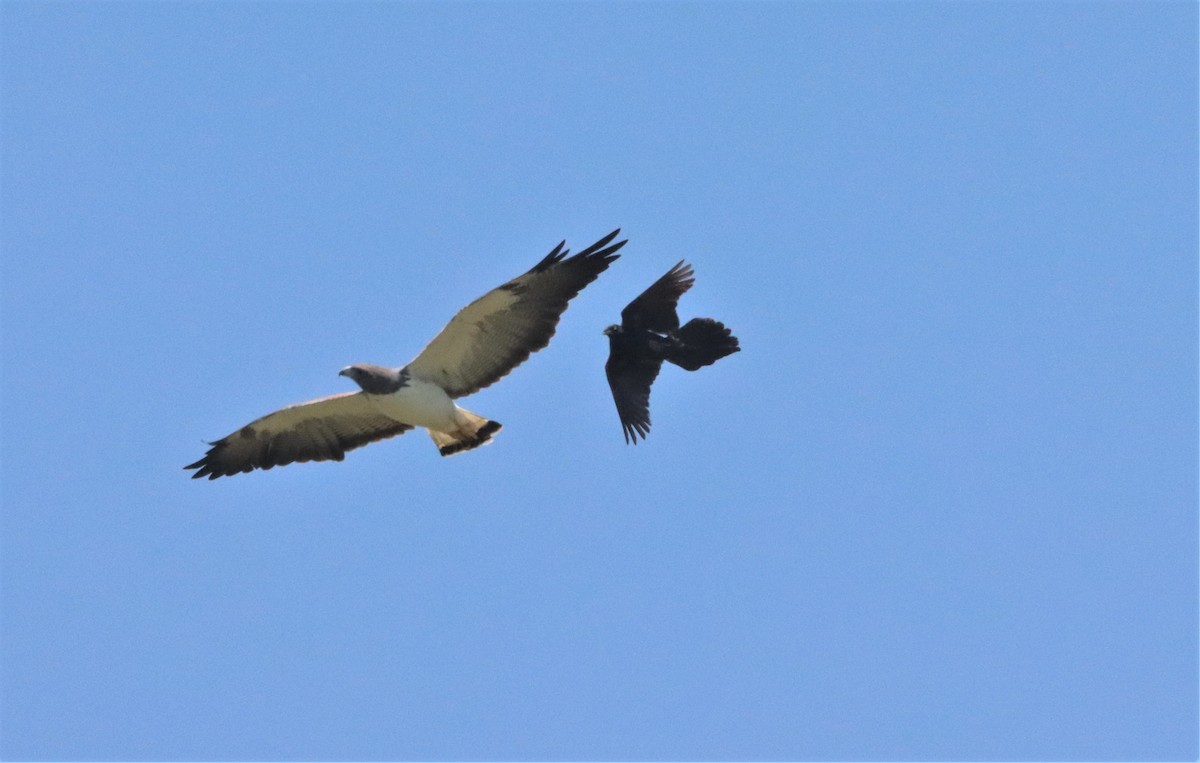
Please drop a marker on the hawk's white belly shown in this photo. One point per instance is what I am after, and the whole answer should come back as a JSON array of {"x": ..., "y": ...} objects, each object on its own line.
[{"x": 421, "y": 404}]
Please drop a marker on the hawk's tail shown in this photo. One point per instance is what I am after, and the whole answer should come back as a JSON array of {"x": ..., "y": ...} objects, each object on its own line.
[
  {"x": 702, "y": 342},
  {"x": 474, "y": 431}
]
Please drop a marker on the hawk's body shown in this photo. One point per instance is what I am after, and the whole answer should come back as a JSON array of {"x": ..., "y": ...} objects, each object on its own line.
[
  {"x": 649, "y": 333},
  {"x": 480, "y": 345}
]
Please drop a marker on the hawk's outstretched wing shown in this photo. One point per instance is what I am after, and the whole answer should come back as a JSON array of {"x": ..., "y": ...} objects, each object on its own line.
[
  {"x": 319, "y": 430},
  {"x": 654, "y": 309},
  {"x": 497, "y": 332}
]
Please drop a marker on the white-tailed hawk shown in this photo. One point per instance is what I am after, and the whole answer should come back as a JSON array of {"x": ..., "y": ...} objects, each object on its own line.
[{"x": 487, "y": 339}]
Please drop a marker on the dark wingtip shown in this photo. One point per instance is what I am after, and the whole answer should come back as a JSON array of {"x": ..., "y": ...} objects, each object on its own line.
[
  {"x": 556, "y": 255},
  {"x": 683, "y": 274},
  {"x": 633, "y": 431},
  {"x": 601, "y": 249},
  {"x": 551, "y": 259},
  {"x": 203, "y": 469},
  {"x": 201, "y": 465},
  {"x": 604, "y": 241}
]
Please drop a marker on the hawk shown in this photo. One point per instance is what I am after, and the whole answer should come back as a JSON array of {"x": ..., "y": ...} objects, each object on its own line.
[
  {"x": 480, "y": 345},
  {"x": 649, "y": 333}
]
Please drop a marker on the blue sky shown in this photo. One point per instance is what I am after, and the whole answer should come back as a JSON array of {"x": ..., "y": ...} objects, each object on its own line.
[{"x": 942, "y": 506}]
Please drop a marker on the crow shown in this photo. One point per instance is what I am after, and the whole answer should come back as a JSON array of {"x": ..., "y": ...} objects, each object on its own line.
[{"x": 649, "y": 334}]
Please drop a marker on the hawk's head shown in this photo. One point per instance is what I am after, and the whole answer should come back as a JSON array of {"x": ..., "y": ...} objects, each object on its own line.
[{"x": 375, "y": 380}]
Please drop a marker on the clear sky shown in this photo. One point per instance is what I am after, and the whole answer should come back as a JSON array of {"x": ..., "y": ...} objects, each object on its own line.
[{"x": 943, "y": 505}]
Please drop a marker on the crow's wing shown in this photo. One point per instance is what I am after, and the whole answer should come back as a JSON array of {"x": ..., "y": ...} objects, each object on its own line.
[
  {"x": 654, "y": 309},
  {"x": 630, "y": 377}
]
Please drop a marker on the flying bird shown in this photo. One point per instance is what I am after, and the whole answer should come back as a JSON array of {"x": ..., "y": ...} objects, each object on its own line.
[
  {"x": 480, "y": 345},
  {"x": 649, "y": 334}
]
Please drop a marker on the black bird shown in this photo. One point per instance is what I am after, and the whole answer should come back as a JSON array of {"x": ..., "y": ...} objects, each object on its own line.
[{"x": 649, "y": 334}]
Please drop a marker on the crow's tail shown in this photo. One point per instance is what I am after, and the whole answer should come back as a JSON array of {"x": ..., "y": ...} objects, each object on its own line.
[{"x": 702, "y": 342}]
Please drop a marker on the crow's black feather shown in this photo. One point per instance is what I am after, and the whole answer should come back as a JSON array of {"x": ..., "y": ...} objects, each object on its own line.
[{"x": 649, "y": 334}]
